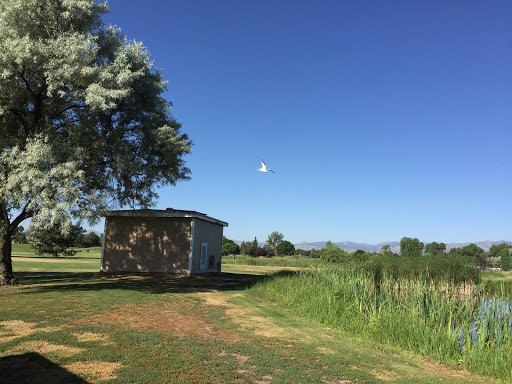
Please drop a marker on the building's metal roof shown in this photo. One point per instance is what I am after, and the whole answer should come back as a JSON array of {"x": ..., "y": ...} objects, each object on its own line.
[{"x": 169, "y": 212}]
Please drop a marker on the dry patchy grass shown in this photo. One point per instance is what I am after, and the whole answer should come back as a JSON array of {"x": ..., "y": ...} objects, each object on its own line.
[
  {"x": 96, "y": 370},
  {"x": 180, "y": 319},
  {"x": 247, "y": 319},
  {"x": 42, "y": 347},
  {"x": 21, "y": 355},
  {"x": 90, "y": 336},
  {"x": 13, "y": 329}
]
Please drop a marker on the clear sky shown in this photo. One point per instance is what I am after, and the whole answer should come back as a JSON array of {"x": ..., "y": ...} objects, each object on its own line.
[{"x": 381, "y": 119}]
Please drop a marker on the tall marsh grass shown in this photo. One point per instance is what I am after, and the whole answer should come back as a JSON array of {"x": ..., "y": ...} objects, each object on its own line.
[
  {"x": 453, "y": 323},
  {"x": 287, "y": 261},
  {"x": 454, "y": 269}
]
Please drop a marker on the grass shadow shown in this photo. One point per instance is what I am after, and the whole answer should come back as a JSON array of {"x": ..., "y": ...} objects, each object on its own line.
[{"x": 143, "y": 282}]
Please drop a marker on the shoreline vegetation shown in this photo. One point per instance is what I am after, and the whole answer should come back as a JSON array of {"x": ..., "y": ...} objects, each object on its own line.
[{"x": 433, "y": 306}]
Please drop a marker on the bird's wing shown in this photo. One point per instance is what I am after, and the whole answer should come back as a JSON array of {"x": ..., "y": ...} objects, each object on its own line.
[
  {"x": 263, "y": 166},
  {"x": 272, "y": 171}
]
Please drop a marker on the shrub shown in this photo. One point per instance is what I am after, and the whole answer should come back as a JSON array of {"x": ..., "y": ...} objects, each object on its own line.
[{"x": 334, "y": 254}]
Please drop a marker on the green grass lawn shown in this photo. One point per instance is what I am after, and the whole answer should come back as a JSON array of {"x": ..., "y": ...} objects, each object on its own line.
[
  {"x": 88, "y": 260},
  {"x": 85, "y": 260},
  {"x": 497, "y": 276},
  {"x": 68, "y": 324},
  {"x": 498, "y": 282}
]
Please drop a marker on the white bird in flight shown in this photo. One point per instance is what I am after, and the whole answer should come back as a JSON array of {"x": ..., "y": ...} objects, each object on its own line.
[{"x": 264, "y": 168}]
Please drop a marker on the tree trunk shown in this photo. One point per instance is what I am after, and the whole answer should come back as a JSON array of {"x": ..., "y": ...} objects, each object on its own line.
[{"x": 6, "y": 277}]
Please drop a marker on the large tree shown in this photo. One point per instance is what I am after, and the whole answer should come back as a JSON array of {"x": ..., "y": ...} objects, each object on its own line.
[
  {"x": 83, "y": 122},
  {"x": 496, "y": 250},
  {"x": 505, "y": 259},
  {"x": 273, "y": 241},
  {"x": 91, "y": 240},
  {"x": 53, "y": 242},
  {"x": 285, "y": 248},
  {"x": 435, "y": 249},
  {"x": 411, "y": 247}
]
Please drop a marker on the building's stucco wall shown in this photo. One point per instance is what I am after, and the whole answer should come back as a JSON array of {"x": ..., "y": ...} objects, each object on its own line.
[
  {"x": 147, "y": 244},
  {"x": 210, "y": 233}
]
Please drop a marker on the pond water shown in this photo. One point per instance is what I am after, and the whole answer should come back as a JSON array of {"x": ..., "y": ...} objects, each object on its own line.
[{"x": 493, "y": 323}]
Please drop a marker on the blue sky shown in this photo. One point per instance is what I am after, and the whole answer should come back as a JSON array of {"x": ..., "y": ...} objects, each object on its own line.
[{"x": 380, "y": 119}]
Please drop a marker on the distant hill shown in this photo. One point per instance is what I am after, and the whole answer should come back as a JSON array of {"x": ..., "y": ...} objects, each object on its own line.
[{"x": 350, "y": 246}]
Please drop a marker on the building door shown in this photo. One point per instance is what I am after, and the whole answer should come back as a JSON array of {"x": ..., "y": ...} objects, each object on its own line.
[{"x": 204, "y": 252}]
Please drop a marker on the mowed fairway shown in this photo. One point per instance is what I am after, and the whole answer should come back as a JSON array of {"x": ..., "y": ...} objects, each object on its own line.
[
  {"x": 85, "y": 260},
  {"x": 70, "y": 323}
]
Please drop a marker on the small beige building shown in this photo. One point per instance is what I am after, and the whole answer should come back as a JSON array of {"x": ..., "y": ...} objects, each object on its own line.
[{"x": 168, "y": 241}]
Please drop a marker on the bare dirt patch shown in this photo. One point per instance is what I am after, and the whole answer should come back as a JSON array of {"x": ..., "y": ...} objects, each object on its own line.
[
  {"x": 97, "y": 370},
  {"x": 43, "y": 348}
]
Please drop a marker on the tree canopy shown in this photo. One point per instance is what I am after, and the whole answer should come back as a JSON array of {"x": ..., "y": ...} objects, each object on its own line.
[
  {"x": 91, "y": 240},
  {"x": 83, "y": 121},
  {"x": 273, "y": 241},
  {"x": 411, "y": 247},
  {"x": 333, "y": 253},
  {"x": 51, "y": 240},
  {"x": 229, "y": 247},
  {"x": 435, "y": 249},
  {"x": 285, "y": 248},
  {"x": 505, "y": 258},
  {"x": 498, "y": 249}
]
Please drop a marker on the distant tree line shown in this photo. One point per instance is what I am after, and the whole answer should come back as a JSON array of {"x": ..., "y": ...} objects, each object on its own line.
[
  {"x": 498, "y": 255},
  {"x": 275, "y": 246}
]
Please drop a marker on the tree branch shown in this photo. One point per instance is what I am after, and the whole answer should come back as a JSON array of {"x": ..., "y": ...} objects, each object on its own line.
[{"x": 22, "y": 216}]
